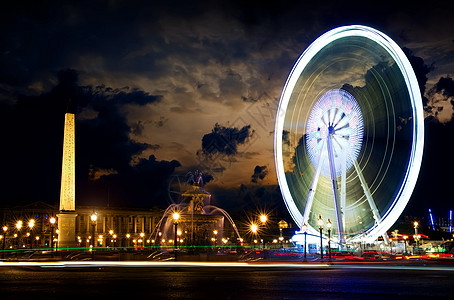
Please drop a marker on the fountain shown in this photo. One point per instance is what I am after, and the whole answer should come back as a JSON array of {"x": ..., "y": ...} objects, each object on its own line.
[{"x": 199, "y": 223}]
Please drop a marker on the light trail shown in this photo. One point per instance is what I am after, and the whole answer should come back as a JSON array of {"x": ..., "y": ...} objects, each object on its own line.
[{"x": 214, "y": 265}]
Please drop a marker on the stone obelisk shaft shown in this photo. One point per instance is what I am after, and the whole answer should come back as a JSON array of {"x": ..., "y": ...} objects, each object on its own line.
[{"x": 67, "y": 215}]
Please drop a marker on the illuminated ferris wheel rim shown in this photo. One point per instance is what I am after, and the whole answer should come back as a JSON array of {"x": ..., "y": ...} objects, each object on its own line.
[{"x": 412, "y": 171}]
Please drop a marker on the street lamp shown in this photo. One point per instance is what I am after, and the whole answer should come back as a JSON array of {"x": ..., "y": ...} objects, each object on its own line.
[
  {"x": 93, "y": 218},
  {"x": 405, "y": 244},
  {"x": 111, "y": 232},
  {"x": 142, "y": 235},
  {"x": 320, "y": 226},
  {"x": 254, "y": 229},
  {"x": 31, "y": 224},
  {"x": 415, "y": 224},
  {"x": 52, "y": 222},
  {"x": 5, "y": 229},
  {"x": 328, "y": 224},
  {"x": 263, "y": 219},
  {"x": 305, "y": 241},
  {"x": 18, "y": 227},
  {"x": 215, "y": 232},
  {"x": 175, "y": 216}
]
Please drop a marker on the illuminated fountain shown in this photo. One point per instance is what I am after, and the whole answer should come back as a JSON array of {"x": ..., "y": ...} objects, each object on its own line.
[{"x": 199, "y": 223}]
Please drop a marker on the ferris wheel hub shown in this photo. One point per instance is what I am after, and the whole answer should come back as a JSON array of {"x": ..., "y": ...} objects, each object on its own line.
[{"x": 337, "y": 115}]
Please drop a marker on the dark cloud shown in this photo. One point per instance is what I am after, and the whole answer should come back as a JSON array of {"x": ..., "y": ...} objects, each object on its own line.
[
  {"x": 144, "y": 184},
  {"x": 260, "y": 173},
  {"x": 445, "y": 85},
  {"x": 432, "y": 189},
  {"x": 32, "y": 133},
  {"x": 225, "y": 140},
  {"x": 285, "y": 137},
  {"x": 421, "y": 71},
  {"x": 125, "y": 95}
]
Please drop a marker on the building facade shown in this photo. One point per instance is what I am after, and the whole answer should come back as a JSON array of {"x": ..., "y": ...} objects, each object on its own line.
[{"x": 30, "y": 226}]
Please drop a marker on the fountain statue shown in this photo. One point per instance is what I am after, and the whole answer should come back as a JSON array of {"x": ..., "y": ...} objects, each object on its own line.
[{"x": 199, "y": 223}]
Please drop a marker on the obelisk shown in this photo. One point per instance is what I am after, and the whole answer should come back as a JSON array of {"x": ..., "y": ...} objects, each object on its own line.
[{"x": 67, "y": 215}]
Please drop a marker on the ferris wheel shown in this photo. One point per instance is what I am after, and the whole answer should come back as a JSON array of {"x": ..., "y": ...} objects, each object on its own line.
[{"x": 349, "y": 134}]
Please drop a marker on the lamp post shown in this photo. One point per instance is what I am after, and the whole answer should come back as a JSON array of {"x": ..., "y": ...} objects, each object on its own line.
[
  {"x": 93, "y": 219},
  {"x": 52, "y": 221},
  {"x": 5, "y": 229},
  {"x": 405, "y": 244},
  {"x": 175, "y": 216},
  {"x": 328, "y": 224},
  {"x": 215, "y": 232},
  {"x": 415, "y": 224},
  {"x": 18, "y": 227},
  {"x": 320, "y": 226},
  {"x": 142, "y": 238},
  {"x": 305, "y": 240},
  {"x": 128, "y": 241},
  {"x": 254, "y": 229},
  {"x": 31, "y": 224},
  {"x": 263, "y": 219},
  {"x": 111, "y": 232}
]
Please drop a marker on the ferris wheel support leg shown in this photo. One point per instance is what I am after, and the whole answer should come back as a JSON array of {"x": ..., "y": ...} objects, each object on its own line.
[
  {"x": 343, "y": 189},
  {"x": 370, "y": 199},
  {"x": 310, "y": 196},
  {"x": 340, "y": 227}
]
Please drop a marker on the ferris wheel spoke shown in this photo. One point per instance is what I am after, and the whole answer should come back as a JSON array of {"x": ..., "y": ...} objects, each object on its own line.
[
  {"x": 343, "y": 193},
  {"x": 344, "y": 121},
  {"x": 310, "y": 196},
  {"x": 345, "y": 131},
  {"x": 337, "y": 117},
  {"x": 332, "y": 114},
  {"x": 367, "y": 193},
  {"x": 340, "y": 227}
]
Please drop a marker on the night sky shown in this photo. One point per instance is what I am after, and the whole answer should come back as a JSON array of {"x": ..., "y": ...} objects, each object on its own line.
[{"x": 167, "y": 88}]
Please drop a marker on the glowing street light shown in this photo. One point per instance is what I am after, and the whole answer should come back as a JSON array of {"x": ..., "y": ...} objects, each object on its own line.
[
  {"x": 93, "y": 218},
  {"x": 254, "y": 228},
  {"x": 31, "y": 224},
  {"x": 320, "y": 226},
  {"x": 176, "y": 217},
  {"x": 142, "y": 235},
  {"x": 19, "y": 225},
  {"x": 416, "y": 237},
  {"x": 215, "y": 232},
  {"x": 5, "y": 229},
  {"x": 328, "y": 224},
  {"x": 111, "y": 232},
  {"x": 52, "y": 222},
  {"x": 305, "y": 236},
  {"x": 263, "y": 219},
  {"x": 405, "y": 244}
]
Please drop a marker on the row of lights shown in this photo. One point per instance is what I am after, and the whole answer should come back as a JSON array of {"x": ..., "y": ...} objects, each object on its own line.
[{"x": 320, "y": 224}]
